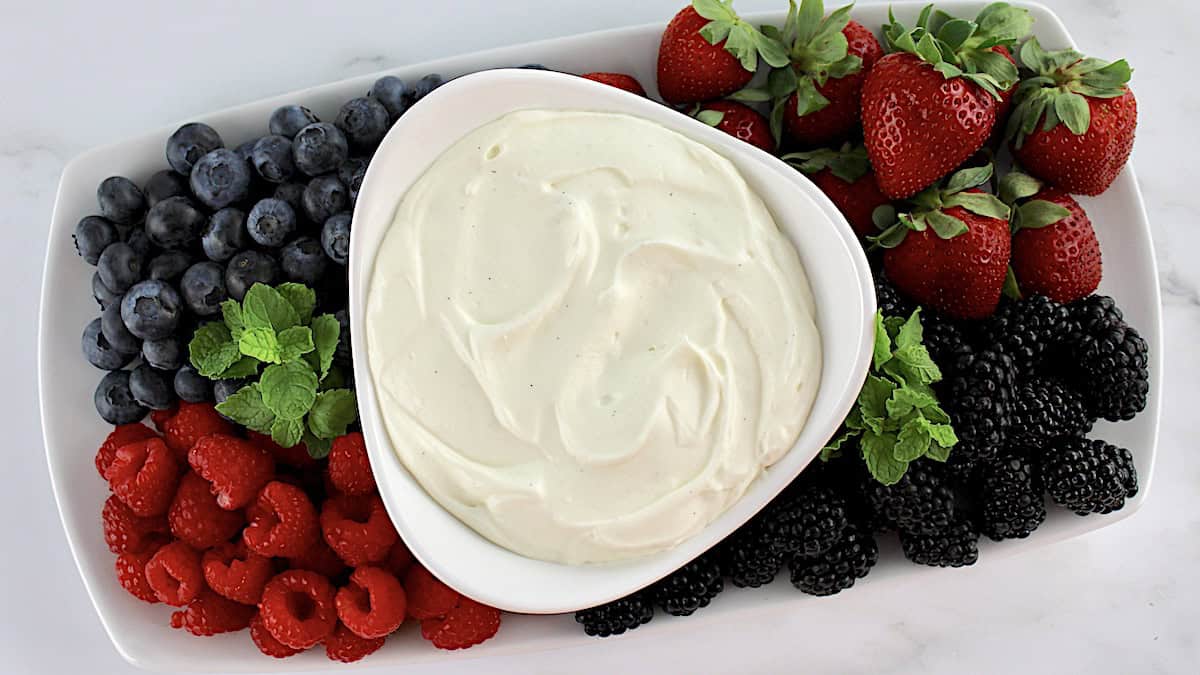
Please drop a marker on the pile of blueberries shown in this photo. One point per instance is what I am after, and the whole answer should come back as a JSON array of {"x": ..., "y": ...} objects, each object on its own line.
[{"x": 168, "y": 253}]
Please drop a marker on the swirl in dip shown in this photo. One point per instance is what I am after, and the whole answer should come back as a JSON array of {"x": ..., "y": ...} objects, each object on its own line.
[{"x": 588, "y": 335}]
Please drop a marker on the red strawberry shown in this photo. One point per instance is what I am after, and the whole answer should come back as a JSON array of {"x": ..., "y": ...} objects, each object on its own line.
[
  {"x": 845, "y": 177},
  {"x": 618, "y": 80},
  {"x": 951, "y": 252},
  {"x": 740, "y": 121},
  {"x": 707, "y": 52},
  {"x": 1004, "y": 105},
  {"x": 1073, "y": 124}
]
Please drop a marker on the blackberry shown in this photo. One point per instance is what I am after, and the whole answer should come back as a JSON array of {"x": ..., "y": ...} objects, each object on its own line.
[
  {"x": 748, "y": 558},
  {"x": 838, "y": 568},
  {"x": 888, "y": 298},
  {"x": 944, "y": 337},
  {"x": 977, "y": 394},
  {"x": 1111, "y": 370},
  {"x": 953, "y": 546},
  {"x": 690, "y": 587},
  {"x": 805, "y": 520},
  {"x": 616, "y": 617},
  {"x": 1027, "y": 330},
  {"x": 1009, "y": 489},
  {"x": 1043, "y": 409},
  {"x": 1089, "y": 476},
  {"x": 847, "y": 475},
  {"x": 922, "y": 501},
  {"x": 1093, "y": 314}
]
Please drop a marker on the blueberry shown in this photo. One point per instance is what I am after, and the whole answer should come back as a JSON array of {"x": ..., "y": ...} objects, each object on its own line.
[
  {"x": 335, "y": 238},
  {"x": 225, "y": 234},
  {"x": 93, "y": 234},
  {"x": 248, "y": 268},
  {"x": 149, "y": 388},
  {"x": 139, "y": 241},
  {"x": 390, "y": 91},
  {"x": 271, "y": 222},
  {"x": 223, "y": 389},
  {"x": 319, "y": 148},
  {"x": 163, "y": 185},
  {"x": 103, "y": 295},
  {"x": 114, "y": 401},
  {"x": 290, "y": 119},
  {"x": 99, "y": 352},
  {"x": 151, "y": 309},
  {"x": 292, "y": 193},
  {"x": 189, "y": 143},
  {"x": 116, "y": 332},
  {"x": 120, "y": 266},
  {"x": 192, "y": 386},
  {"x": 203, "y": 287},
  {"x": 246, "y": 150},
  {"x": 120, "y": 200},
  {"x": 351, "y": 173},
  {"x": 303, "y": 261},
  {"x": 175, "y": 222},
  {"x": 220, "y": 178},
  {"x": 165, "y": 354},
  {"x": 364, "y": 121},
  {"x": 424, "y": 86},
  {"x": 169, "y": 265},
  {"x": 272, "y": 158},
  {"x": 324, "y": 196},
  {"x": 342, "y": 352}
]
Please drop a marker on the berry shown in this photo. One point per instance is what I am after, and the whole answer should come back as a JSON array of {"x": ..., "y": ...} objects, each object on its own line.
[
  {"x": 225, "y": 234},
  {"x": 248, "y": 268},
  {"x": 1010, "y": 497},
  {"x": 104, "y": 297},
  {"x": 272, "y": 158},
  {"x": 889, "y": 300},
  {"x": 399, "y": 559},
  {"x": 292, "y": 194},
  {"x": 169, "y": 265},
  {"x": 125, "y": 531},
  {"x": 839, "y": 118},
  {"x": 953, "y": 546},
  {"x": 343, "y": 353},
  {"x": 131, "y": 573},
  {"x": 120, "y": 200},
  {"x": 805, "y": 521},
  {"x": 99, "y": 352},
  {"x": 1107, "y": 360},
  {"x": 297, "y": 608},
  {"x": 351, "y": 173},
  {"x": 391, "y": 92},
  {"x": 295, "y": 456},
  {"x": 164, "y": 185},
  {"x": 211, "y": 614},
  {"x": 174, "y": 574},
  {"x": 372, "y": 604},
  {"x": 690, "y": 587},
  {"x": 283, "y": 522},
  {"x": 977, "y": 393},
  {"x": 119, "y": 266},
  {"x": 139, "y": 241},
  {"x": 335, "y": 238},
  {"x": 838, "y": 568},
  {"x": 343, "y": 645},
  {"x": 93, "y": 234},
  {"x": 164, "y": 354},
  {"x": 364, "y": 121},
  {"x": 467, "y": 625},
  {"x": 271, "y": 222},
  {"x": 113, "y": 328},
  {"x": 1027, "y": 330},
  {"x": 748, "y": 556},
  {"x": 192, "y": 422},
  {"x": 921, "y": 501},
  {"x": 175, "y": 222},
  {"x": 619, "y": 80},
  {"x": 319, "y": 558},
  {"x": 196, "y": 518},
  {"x": 266, "y": 643},
  {"x": 1043, "y": 410},
  {"x": 1061, "y": 260},
  {"x": 692, "y": 69},
  {"x": 357, "y": 528},
  {"x": 1089, "y": 476},
  {"x": 223, "y": 389},
  {"x": 426, "y": 596},
  {"x": 288, "y": 120},
  {"x": 237, "y": 469},
  {"x": 191, "y": 386},
  {"x": 189, "y": 143},
  {"x": 1093, "y": 314},
  {"x": 151, "y": 309},
  {"x": 119, "y": 436},
  {"x": 349, "y": 468},
  {"x": 245, "y": 150},
  {"x": 944, "y": 337},
  {"x": 150, "y": 388},
  {"x": 114, "y": 401},
  {"x": 323, "y": 197},
  {"x": 742, "y": 122},
  {"x": 425, "y": 85},
  {"x": 235, "y": 573},
  {"x": 618, "y": 616},
  {"x": 319, "y": 148},
  {"x": 203, "y": 286},
  {"x": 303, "y": 261},
  {"x": 161, "y": 417}
]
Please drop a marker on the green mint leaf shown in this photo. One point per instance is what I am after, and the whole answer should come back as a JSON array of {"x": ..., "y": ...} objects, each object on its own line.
[
  {"x": 883, "y": 345},
  {"x": 912, "y": 441},
  {"x": 937, "y": 452},
  {"x": 855, "y": 419},
  {"x": 260, "y": 343},
  {"x": 289, "y": 389},
  {"x": 318, "y": 448},
  {"x": 286, "y": 432},
  {"x": 833, "y": 449},
  {"x": 294, "y": 343},
  {"x": 942, "y": 434},
  {"x": 916, "y": 357},
  {"x": 893, "y": 325},
  {"x": 878, "y": 451},
  {"x": 911, "y": 333},
  {"x": 332, "y": 412},
  {"x": 325, "y": 334},
  {"x": 264, "y": 307},
  {"x": 905, "y": 400},
  {"x": 945, "y": 226},
  {"x": 335, "y": 379},
  {"x": 231, "y": 311},
  {"x": 302, "y": 299},
  {"x": 246, "y": 407},
  {"x": 873, "y": 397},
  {"x": 212, "y": 349},
  {"x": 247, "y": 366},
  {"x": 935, "y": 414},
  {"x": 710, "y": 117}
]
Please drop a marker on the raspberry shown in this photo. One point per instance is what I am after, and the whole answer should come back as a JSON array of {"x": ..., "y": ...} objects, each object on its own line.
[
  {"x": 210, "y": 614},
  {"x": 174, "y": 574},
  {"x": 357, "y": 528},
  {"x": 343, "y": 645},
  {"x": 143, "y": 475},
  {"x": 282, "y": 522},
  {"x": 466, "y": 625},
  {"x": 238, "y": 574},
  {"x": 349, "y": 468},
  {"x": 193, "y": 422},
  {"x": 237, "y": 469},
  {"x": 427, "y": 597},
  {"x": 266, "y": 643},
  {"x": 195, "y": 517},
  {"x": 121, "y": 435},
  {"x": 319, "y": 558},
  {"x": 372, "y": 604},
  {"x": 125, "y": 531},
  {"x": 131, "y": 572},
  {"x": 399, "y": 559},
  {"x": 160, "y": 417},
  {"x": 295, "y": 456},
  {"x": 297, "y": 608}
]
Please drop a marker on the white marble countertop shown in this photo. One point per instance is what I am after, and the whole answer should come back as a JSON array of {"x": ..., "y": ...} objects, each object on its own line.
[{"x": 76, "y": 74}]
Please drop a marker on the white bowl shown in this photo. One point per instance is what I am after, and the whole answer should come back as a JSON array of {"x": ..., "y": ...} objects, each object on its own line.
[
  {"x": 72, "y": 430},
  {"x": 832, "y": 257}
]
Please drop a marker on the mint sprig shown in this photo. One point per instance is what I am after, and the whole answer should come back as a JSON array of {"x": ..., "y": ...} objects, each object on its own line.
[
  {"x": 896, "y": 419},
  {"x": 297, "y": 396}
]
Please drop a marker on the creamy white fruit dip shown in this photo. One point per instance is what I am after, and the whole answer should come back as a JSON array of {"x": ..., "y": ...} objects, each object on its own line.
[{"x": 588, "y": 335}]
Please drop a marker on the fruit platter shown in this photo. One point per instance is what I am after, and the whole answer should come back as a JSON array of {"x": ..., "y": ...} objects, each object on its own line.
[{"x": 215, "y": 465}]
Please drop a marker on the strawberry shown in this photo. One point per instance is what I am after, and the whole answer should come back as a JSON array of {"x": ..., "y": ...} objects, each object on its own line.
[
  {"x": 1074, "y": 121},
  {"x": 950, "y": 252},
  {"x": 618, "y": 80},
  {"x": 845, "y": 177},
  {"x": 930, "y": 105},
  {"x": 707, "y": 51},
  {"x": 740, "y": 121}
]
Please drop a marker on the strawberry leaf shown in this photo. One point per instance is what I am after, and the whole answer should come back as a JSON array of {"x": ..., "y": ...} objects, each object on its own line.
[
  {"x": 808, "y": 99},
  {"x": 884, "y": 216},
  {"x": 980, "y": 203},
  {"x": 945, "y": 226},
  {"x": 710, "y": 117},
  {"x": 955, "y": 32},
  {"x": 1011, "y": 289},
  {"x": 1001, "y": 23},
  {"x": 1016, "y": 185},
  {"x": 751, "y": 95},
  {"x": 1073, "y": 110},
  {"x": 968, "y": 178},
  {"x": 1038, "y": 213}
]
